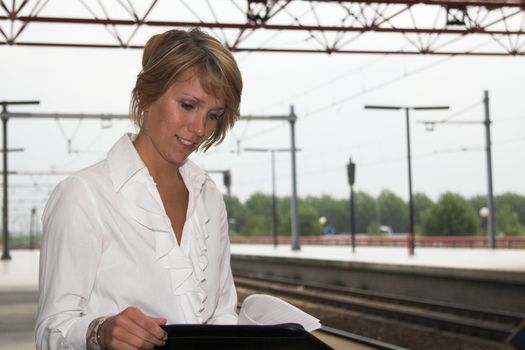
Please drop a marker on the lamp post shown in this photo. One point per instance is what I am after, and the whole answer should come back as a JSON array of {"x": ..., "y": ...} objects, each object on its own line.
[
  {"x": 483, "y": 214},
  {"x": 351, "y": 181},
  {"x": 411, "y": 240},
  {"x": 291, "y": 118},
  {"x": 5, "y": 230},
  {"x": 491, "y": 220},
  {"x": 32, "y": 229},
  {"x": 274, "y": 199},
  {"x": 226, "y": 179}
]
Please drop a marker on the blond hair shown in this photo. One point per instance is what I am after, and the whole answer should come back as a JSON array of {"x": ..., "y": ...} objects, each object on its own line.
[{"x": 168, "y": 55}]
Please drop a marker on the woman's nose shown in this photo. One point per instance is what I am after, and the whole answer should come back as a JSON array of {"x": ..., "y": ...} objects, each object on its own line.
[{"x": 197, "y": 124}]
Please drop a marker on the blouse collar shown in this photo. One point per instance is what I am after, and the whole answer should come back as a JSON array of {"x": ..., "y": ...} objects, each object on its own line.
[{"x": 124, "y": 162}]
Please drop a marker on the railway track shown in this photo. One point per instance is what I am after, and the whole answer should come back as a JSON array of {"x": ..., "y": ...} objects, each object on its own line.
[{"x": 481, "y": 323}]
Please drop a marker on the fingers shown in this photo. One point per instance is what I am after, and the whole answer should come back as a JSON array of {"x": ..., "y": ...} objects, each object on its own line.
[
  {"x": 131, "y": 329},
  {"x": 150, "y": 328},
  {"x": 160, "y": 320}
]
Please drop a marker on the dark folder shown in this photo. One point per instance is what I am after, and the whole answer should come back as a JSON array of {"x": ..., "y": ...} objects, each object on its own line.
[
  {"x": 517, "y": 339},
  {"x": 289, "y": 336}
]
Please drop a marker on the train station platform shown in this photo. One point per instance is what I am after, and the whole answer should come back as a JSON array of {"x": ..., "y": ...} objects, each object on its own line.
[
  {"x": 21, "y": 272},
  {"x": 476, "y": 277},
  {"x": 455, "y": 258}
]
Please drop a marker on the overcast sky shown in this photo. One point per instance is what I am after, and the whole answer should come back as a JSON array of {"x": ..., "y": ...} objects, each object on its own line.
[{"x": 328, "y": 93}]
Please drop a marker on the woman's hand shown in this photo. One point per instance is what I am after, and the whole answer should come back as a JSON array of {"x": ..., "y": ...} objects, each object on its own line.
[{"x": 131, "y": 329}]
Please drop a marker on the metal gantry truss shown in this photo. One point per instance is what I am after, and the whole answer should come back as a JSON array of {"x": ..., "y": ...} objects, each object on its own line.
[{"x": 449, "y": 27}]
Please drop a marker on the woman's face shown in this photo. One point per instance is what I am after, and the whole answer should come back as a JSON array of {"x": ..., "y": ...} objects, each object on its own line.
[{"x": 181, "y": 119}]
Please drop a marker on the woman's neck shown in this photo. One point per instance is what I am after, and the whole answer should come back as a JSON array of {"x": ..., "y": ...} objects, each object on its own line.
[{"x": 161, "y": 170}]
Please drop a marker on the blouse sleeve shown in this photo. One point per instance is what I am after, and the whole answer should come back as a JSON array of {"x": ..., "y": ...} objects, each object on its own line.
[
  {"x": 71, "y": 249},
  {"x": 225, "y": 312}
]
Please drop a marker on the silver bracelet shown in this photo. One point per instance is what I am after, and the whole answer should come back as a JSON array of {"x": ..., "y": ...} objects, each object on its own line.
[{"x": 92, "y": 334}]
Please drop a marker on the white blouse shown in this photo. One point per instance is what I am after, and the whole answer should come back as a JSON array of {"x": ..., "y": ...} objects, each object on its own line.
[{"x": 108, "y": 244}]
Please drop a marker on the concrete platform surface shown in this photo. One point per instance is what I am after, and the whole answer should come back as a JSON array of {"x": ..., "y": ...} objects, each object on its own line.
[
  {"x": 18, "y": 299},
  {"x": 461, "y": 258}
]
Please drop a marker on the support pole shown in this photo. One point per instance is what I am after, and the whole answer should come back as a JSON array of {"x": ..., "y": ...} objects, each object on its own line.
[
  {"x": 274, "y": 202},
  {"x": 5, "y": 231},
  {"x": 411, "y": 242},
  {"x": 32, "y": 229},
  {"x": 295, "y": 224},
  {"x": 293, "y": 205},
  {"x": 227, "y": 179},
  {"x": 411, "y": 238},
  {"x": 351, "y": 181},
  {"x": 491, "y": 224}
]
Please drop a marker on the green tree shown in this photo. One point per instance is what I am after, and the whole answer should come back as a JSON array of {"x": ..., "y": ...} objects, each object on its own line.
[
  {"x": 307, "y": 215},
  {"x": 309, "y": 221},
  {"x": 259, "y": 203},
  {"x": 373, "y": 228},
  {"x": 257, "y": 225},
  {"x": 259, "y": 218},
  {"x": 283, "y": 213},
  {"x": 515, "y": 201},
  {"x": 336, "y": 211},
  {"x": 477, "y": 202},
  {"x": 365, "y": 210},
  {"x": 236, "y": 214},
  {"x": 452, "y": 215},
  {"x": 421, "y": 203},
  {"x": 507, "y": 223},
  {"x": 393, "y": 211}
]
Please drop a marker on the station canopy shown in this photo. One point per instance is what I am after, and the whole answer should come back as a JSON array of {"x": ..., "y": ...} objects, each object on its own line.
[{"x": 453, "y": 27}]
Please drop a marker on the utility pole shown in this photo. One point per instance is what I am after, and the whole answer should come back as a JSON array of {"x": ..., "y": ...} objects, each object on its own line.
[
  {"x": 5, "y": 208},
  {"x": 491, "y": 224},
  {"x": 491, "y": 220},
  {"x": 5, "y": 117},
  {"x": 274, "y": 198},
  {"x": 291, "y": 118},
  {"x": 351, "y": 181},
  {"x": 227, "y": 180},
  {"x": 32, "y": 229},
  {"x": 411, "y": 234}
]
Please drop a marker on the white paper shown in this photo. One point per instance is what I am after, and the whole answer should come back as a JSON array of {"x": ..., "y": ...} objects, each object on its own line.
[{"x": 261, "y": 309}]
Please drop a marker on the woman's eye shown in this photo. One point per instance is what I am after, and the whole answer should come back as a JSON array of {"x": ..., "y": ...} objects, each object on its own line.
[
  {"x": 214, "y": 116},
  {"x": 187, "y": 106}
]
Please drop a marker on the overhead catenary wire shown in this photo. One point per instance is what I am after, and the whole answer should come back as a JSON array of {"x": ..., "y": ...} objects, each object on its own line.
[
  {"x": 346, "y": 99},
  {"x": 361, "y": 93}
]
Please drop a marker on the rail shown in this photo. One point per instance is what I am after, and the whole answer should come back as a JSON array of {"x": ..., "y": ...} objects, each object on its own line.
[
  {"x": 506, "y": 242},
  {"x": 485, "y": 324}
]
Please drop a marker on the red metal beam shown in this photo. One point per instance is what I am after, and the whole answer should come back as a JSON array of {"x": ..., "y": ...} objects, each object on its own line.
[
  {"x": 454, "y": 3},
  {"x": 73, "y": 45},
  {"x": 374, "y": 52},
  {"x": 253, "y": 26},
  {"x": 277, "y": 50}
]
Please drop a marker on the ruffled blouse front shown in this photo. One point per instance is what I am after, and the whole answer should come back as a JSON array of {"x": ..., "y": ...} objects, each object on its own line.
[{"x": 186, "y": 263}]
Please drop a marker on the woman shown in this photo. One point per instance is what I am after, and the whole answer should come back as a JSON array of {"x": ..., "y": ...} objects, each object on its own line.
[{"x": 141, "y": 239}]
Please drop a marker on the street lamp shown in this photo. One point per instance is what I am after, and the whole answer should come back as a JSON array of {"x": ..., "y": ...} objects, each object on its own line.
[
  {"x": 483, "y": 214},
  {"x": 491, "y": 223},
  {"x": 411, "y": 241},
  {"x": 274, "y": 200},
  {"x": 226, "y": 179},
  {"x": 291, "y": 118},
  {"x": 351, "y": 180}
]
